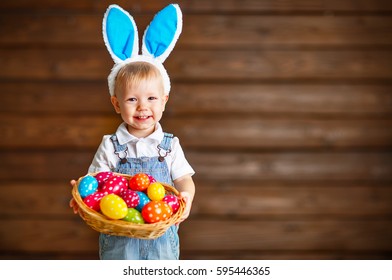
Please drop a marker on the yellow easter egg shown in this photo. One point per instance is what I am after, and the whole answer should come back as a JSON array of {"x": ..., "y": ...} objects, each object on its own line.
[
  {"x": 156, "y": 191},
  {"x": 113, "y": 207}
]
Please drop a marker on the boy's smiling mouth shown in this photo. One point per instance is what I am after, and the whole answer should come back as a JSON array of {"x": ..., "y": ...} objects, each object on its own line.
[{"x": 142, "y": 117}]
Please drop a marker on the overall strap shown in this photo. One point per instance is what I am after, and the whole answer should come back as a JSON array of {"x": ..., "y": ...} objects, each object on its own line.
[
  {"x": 166, "y": 141},
  {"x": 119, "y": 148},
  {"x": 165, "y": 145}
]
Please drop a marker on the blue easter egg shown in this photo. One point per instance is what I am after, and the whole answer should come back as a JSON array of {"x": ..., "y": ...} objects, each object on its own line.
[
  {"x": 88, "y": 185},
  {"x": 143, "y": 200}
]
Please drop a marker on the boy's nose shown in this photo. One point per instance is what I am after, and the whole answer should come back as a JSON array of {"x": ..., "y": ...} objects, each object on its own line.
[{"x": 141, "y": 105}]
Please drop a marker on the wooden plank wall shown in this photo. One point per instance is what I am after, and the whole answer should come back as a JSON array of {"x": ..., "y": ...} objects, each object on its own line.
[{"x": 284, "y": 108}]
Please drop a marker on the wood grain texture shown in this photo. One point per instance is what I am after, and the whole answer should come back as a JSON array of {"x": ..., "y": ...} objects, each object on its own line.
[
  {"x": 282, "y": 107},
  {"x": 207, "y": 65},
  {"x": 334, "y": 101},
  {"x": 206, "y": 6},
  {"x": 61, "y": 132},
  {"x": 210, "y": 235},
  {"x": 288, "y": 166},
  {"x": 248, "y": 199},
  {"x": 208, "y": 31}
]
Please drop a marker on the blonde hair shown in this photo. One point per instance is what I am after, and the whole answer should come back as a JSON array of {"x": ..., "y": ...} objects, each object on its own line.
[{"x": 135, "y": 73}]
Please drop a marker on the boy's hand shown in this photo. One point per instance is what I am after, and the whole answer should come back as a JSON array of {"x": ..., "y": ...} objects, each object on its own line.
[
  {"x": 186, "y": 187},
  {"x": 188, "y": 205},
  {"x": 72, "y": 202}
]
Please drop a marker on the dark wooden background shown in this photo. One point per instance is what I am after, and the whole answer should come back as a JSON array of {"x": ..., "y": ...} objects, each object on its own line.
[{"x": 284, "y": 108}]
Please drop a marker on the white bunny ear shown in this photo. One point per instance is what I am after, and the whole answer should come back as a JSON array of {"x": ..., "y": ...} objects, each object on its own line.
[
  {"x": 162, "y": 34},
  {"x": 120, "y": 34}
]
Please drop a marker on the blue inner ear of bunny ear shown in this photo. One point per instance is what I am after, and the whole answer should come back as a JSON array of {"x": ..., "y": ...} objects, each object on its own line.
[
  {"x": 120, "y": 33},
  {"x": 161, "y": 31}
]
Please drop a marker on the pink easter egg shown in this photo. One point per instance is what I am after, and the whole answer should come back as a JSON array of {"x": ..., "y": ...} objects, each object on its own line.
[
  {"x": 152, "y": 179},
  {"x": 172, "y": 201},
  {"x": 102, "y": 177},
  {"x": 130, "y": 197},
  {"x": 93, "y": 200}
]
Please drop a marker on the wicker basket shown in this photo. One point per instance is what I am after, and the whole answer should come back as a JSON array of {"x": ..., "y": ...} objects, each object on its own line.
[{"x": 101, "y": 223}]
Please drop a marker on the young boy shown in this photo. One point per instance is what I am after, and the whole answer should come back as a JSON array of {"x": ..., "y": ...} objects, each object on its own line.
[
  {"x": 140, "y": 100},
  {"x": 139, "y": 90}
]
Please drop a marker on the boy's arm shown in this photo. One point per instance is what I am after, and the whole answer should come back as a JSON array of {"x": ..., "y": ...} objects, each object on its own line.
[
  {"x": 100, "y": 163},
  {"x": 72, "y": 202},
  {"x": 186, "y": 187}
]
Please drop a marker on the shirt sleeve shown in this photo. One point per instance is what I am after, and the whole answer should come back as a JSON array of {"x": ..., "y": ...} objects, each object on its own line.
[
  {"x": 101, "y": 160},
  {"x": 179, "y": 165}
]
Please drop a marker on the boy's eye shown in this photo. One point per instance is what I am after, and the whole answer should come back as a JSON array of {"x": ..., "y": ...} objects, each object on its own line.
[
  {"x": 152, "y": 98},
  {"x": 132, "y": 99}
]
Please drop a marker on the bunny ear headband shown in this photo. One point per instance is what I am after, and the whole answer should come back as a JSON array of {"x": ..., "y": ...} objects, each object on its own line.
[{"x": 122, "y": 41}]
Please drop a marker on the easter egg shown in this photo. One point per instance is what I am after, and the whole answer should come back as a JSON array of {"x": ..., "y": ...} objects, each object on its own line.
[
  {"x": 134, "y": 216},
  {"x": 143, "y": 200},
  {"x": 102, "y": 177},
  {"x": 152, "y": 179},
  {"x": 130, "y": 197},
  {"x": 113, "y": 206},
  {"x": 156, "y": 191},
  {"x": 156, "y": 211},
  {"x": 93, "y": 200},
  {"x": 139, "y": 182},
  {"x": 115, "y": 184},
  {"x": 172, "y": 201},
  {"x": 87, "y": 186}
]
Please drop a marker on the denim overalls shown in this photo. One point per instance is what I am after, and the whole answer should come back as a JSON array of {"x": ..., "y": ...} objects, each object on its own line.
[{"x": 165, "y": 247}]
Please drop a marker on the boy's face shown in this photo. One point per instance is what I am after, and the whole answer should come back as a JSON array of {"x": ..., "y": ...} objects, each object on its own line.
[{"x": 141, "y": 106}]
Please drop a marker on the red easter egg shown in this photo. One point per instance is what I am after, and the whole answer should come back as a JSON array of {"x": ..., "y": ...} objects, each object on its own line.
[
  {"x": 130, "y": 197},
  {"x": 139, "y": 182},
  {"x": 156, "y": 211},
  {"x": 93, "y": 200},
  {"x": 152, "y": 179},
  {"x": 115, "y": 184},
  {"x": 102, "y": 177},
  {"x": 172, "y": 201}
]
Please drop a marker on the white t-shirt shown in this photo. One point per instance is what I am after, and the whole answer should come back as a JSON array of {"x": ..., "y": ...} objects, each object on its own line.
[{"x": 106, "y": 160}]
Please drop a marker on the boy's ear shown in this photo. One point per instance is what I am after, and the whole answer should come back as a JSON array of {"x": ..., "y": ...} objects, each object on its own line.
[
  {"x": 165, "y": 99},
  {"x": 116, "y": 104}
]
